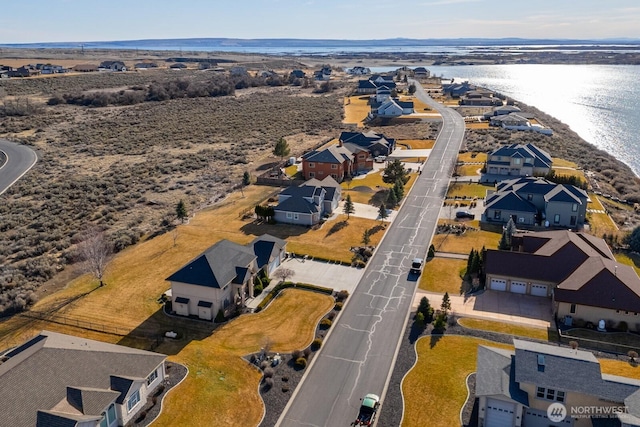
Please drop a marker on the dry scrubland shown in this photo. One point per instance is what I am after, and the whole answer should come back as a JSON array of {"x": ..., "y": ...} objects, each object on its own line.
[{"x": 124, "y": 168}]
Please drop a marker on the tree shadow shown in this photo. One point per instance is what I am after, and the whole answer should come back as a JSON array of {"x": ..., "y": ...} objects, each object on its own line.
[
  {"x": 282, "y": 231},
  {"x": 415, "y": 332},
  {"x": 378, "y": 198},
  {"x": 436, "y": 335},
  {"x": 377, "y": 228},
  {"x": 337, "y": 227},
  {"x": 267, "y": 166},
  {"x": 150, "y": 334}
]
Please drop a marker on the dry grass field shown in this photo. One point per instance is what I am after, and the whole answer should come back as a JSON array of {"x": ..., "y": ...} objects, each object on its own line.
[
  {"x": 124, "y": 168},
  {"x": 443, "y": 275},
  {"x": 356, "y": 109},
  {"x": 462, "y": 244}
]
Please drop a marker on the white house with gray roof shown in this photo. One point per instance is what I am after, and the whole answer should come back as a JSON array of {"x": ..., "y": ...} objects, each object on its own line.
[
  {"x": 536, "y": 201},
  {"x": 221, "y": 277},
  {"x": 515, "y": 388},
  {"x": 58, "y": 380},
  {"x": 309, "y": 202}
]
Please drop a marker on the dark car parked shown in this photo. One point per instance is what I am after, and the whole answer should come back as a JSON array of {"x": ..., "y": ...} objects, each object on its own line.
[{"x": 465, "y": 214}]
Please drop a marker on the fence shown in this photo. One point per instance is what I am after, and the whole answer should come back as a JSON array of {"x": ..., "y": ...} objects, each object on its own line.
[{"x": 596, "y": 344}]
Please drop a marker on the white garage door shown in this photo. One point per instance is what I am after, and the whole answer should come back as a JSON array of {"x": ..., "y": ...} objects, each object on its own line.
[
  {"x": 518, "y": 287},
  {"x": 539, "y": 290},
  {"x": 498, "y": 285},
  {"x": 499, "y": 413}
]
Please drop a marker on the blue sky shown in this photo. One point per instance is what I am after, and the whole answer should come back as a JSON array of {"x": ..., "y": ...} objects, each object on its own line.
[{"x": 91, "y": 20}]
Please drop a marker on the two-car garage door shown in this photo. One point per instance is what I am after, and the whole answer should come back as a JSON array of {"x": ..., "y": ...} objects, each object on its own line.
[{"x": 499, "y": 413}]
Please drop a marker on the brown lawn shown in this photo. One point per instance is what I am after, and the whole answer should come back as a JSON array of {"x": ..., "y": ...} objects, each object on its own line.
[
  {"x": 463, "y": 243},
  {"x": 356, "y": 109},
  {"x": 443, "y": 275}
]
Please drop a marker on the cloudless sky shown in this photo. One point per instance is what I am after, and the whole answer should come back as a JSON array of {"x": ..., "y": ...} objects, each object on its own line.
[{"x": 25, "y": 21}]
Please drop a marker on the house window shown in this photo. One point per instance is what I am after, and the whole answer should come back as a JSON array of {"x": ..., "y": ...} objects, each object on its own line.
[
  {"x": 556, "y": 219},
  {"x": 497, "y": 214},
  {"x": 573, "y": 220},
  {"x": 108, "y": 417},
  {"x": 516, "y": 161},
  {"x": 574, "y": 207},
  {"x": 550, "y": 394},
  {"x": 289, "y": 215},
  {"x": 334, "y": 176},
  {"x": 572, "y": 310},
  {"x": 334, "y": 166},
  {"x": 152, "y": 377},
  {"x": 312, "y": 165},
  {"x": 295, "y": 216},
  {"x": 134, "y": 399},
  {"x": 312, "y": 174}
]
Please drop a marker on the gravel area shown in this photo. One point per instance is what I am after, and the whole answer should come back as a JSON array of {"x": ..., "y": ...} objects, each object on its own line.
[{"x": 175, "y": 373}]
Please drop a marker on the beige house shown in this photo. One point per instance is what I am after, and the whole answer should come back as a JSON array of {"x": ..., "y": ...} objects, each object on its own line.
[
  {"x": 577, "y": 270},
  {"x": 542, "y": 385},
  {"x": 62, "y": 380},
  {"x": 221, "y": 278}
]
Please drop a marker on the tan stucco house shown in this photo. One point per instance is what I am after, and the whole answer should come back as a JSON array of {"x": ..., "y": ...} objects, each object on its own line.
[
  {"x": 62, "y": 380},
  {"x": 517, "y": 388},
  {"x": 221, "y": 278},
  {"x": 576, "y": 270}
]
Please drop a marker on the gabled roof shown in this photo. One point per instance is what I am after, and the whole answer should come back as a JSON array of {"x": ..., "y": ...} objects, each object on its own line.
[
  {"x": 509, "y": 201},
  {"x": 215, "y": 267},
  {"x": 37, "y": 374},
  {"x": 568, "y": 370},
  {"x": 90, "y": 401},
  {"x": 297, "y": 204},
  {"x": 540, "y": 157},
  {"x": 366, "y": 84},
  {"x": 495, "y": 376},
  {"x": 266, "y": 248},
  {"x": 536, "y": 185},
  {"x": 366, "y": 139},
  {"x": 332, "y": 154}
]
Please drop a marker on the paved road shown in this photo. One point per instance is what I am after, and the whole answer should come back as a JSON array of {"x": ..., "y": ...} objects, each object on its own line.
[
  {"x": 20, "y": 159},
  {"x": 359, "y": 354}
]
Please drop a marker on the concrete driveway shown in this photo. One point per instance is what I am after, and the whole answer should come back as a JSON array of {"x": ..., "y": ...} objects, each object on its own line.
[
  {"x": 325, "y": 274},
  {"x": 505, "y": 307}
]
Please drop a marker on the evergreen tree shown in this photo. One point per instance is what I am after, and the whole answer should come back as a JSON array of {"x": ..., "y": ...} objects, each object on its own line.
[
  {"x": 246, "y": 178},
  {"x": 282, "y": 148},
  {"x": 475, "y": 263},
  {"x": 411, "y": 89},
  {"x": 366, "y": 237},
  {"x": 181, "y": 210},
  {"x": 395, "y": 171},
  {"x": 348, "y": 206},
  {"x": 419, "y": 320},
  {"x": 392, "y": 199},
  {"x": 382, "y": 212},
  {"x": 633, "y": 240},
  {"x": 432, "y": 252},
  {"x": 503, "y": 245},
  {"x": 398, "y": 188},
  {"x": 446, "y": 303},
  {"x": 510, "y": 229},
  {"x": 424, "y": 306},
  {"x": 470, "y": 260}
]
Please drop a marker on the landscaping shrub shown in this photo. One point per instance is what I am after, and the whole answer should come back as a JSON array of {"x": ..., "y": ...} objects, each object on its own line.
[
  {"x": 338, "y": 306},
  {"x": 325, "y": 323},
  {"x": 296, "y": 354},
  {"x": 220, "y": 317},
  {"x": 331, "y": 315},
  {"x": 316, "y": 344},
  {"x": 268, "y": 372},
  {"x": 440, "y": 322},
  {"x": 419, "y": 320},
  {"x": 268, "y": 383},
  {"x": 342, "y": 295},
  {"x": 301, "y": 362},
  {"x": 307, "y": 352}
]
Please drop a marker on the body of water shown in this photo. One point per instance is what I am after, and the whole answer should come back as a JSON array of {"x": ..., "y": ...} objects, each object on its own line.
[{"x": 599, "y": 102}]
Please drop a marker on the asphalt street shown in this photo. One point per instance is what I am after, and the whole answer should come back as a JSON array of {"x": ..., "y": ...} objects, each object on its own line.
[
  {"x": 358, "y": 355},
  {"x": 20, "y": 159}
]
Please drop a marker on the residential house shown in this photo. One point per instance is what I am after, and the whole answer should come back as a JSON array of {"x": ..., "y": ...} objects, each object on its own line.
[
  {"x": 421, "y": 72},
  {"x": 297, "y": 74},
  {"x": 359, "y": 71},
  {"x": 309, "y": 202},
  {"x": 479, "y": 98},
  {"x": 113, "y": 66},
  {"x": 238, "y": 70},
  {"x": 576, "y": 269},
  {"x": 85, "y": 68},
  {"x": 371, "y": 85},
  {"x": 146, "y": 65},
  {"x": 376, "y": 143},
  {"x": 392, "y": 107},
  {"x": 519, "y": 160},
  {"x": 24, "y": 71},
  {"x": 323, "y": 74},
  {"x": 456, "y": 90},
  {"x": 383, "y": 79},
  {"x": 221, "y": 277},
  {"x": 366, "y": 87},
  {"x": 518, "y": 121},
  {"x": 383, "y": 93},
  {"x": 517, "y": 387},
  {"x": 505, "y": 109},
  {"x": 55, "y": 379},
  {"x": 335, "y": 161},
  {"x": 536, "y": 201}
]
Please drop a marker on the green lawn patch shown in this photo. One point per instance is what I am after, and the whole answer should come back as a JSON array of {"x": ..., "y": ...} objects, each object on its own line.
[{"x": 464, "y": 189}]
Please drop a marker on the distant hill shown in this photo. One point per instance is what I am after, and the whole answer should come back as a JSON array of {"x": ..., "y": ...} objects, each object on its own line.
[{"x": 229, "y": 43}]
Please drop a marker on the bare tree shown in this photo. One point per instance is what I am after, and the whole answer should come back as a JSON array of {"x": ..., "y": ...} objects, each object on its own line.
[
  {"x": 96, "y": 252},
  {"x": 174, "y": 235},
  {"x": 284, "y": 273}
]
